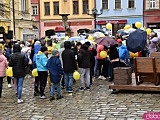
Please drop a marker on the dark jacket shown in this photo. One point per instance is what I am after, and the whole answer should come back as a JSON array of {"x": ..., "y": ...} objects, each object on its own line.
[
  {"x": 18, "y": 61},
  {"x": 69, "y": 62},
  {"x": 55, "y": 69},
  {"x": 84, "y": 57}
]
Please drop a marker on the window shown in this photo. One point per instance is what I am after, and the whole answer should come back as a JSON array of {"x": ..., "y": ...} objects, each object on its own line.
[
  {"x": 75, "y": 7},
  {"x": 34, "y": 10},
  {"x": 105, "y": 4},
  {"x": 117, "y": 4},
  {"x": 23, "y": 5},
  {"x": 152, "y": 3},
  {"x": 56, "y": 8},
  {"x": 85, "y": 6},
  {"x": 130, "y": 3},
  {"x": 47, "y": 8}
]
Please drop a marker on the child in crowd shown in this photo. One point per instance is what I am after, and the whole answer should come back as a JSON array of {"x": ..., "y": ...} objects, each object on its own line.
[
  {"x": 41, "y": 62},
  {"x": 55, "y": 69}
]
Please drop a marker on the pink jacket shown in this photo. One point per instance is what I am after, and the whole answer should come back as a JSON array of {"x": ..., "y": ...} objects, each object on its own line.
[
  {"x": 99, "y": 49},
  {"x": 3, "y": 65}
]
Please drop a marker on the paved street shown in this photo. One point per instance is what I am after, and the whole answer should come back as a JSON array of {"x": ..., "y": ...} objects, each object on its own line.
[{"x": 96, "y": 104}]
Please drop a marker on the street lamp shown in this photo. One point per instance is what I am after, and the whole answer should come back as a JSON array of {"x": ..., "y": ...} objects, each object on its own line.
[{"x": 95, "y": 14}]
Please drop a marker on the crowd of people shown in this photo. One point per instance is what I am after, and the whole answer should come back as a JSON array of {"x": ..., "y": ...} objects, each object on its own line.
[{"x": 56, "y": 66}]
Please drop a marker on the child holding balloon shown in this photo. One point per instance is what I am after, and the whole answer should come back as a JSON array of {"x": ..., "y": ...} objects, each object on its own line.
[{"x": 3, "y": 66}]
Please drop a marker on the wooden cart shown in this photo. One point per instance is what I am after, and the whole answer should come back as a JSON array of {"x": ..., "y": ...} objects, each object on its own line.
[{"x": 146, "y": 76}]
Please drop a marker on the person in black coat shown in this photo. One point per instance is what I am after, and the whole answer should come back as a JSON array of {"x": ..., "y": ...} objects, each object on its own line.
[
  {"x": 69, "y": 65},
  {"x": 18, "y": 62},
  {"x": 84, "y": 59}
]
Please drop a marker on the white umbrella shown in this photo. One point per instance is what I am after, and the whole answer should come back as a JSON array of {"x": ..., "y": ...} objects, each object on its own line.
[{"x": 97, "y": 35}]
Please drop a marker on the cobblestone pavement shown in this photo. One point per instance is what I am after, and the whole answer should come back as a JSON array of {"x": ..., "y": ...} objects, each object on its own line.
[{"x": 96, "y": 104}]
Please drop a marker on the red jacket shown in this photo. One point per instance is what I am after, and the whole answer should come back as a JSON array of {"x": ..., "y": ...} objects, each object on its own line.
[{"x": 99, "y": 49}]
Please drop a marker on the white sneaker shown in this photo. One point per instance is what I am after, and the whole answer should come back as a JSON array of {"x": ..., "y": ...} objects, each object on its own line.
[
  {"x": 103, "y": 78},
  {"x": 100, "y": 77},
  {"x": 9, "y": 85},
  {"x": 20, "y": 101},
  {"x": 42, "y": 97}
]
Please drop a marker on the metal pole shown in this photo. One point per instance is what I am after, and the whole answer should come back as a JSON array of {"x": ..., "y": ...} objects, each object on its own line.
[
  {"x": 14, "y": 35},
  {"x": 95, "y": 20},
  {"x": 95, "y": 14}
]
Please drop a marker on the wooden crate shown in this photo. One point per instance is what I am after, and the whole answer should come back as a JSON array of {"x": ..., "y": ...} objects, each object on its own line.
[{"x": 122, "y": 75}]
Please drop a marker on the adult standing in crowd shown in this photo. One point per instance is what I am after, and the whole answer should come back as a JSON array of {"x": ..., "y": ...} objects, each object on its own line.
[
  {"x": 84, "y": 59},
  {"x": 69, "y": 65},
  {"x": 101, "y": 62},
  {"x": 3, "y": 65},
  {"x": 153, "y": 42},
  {"x": 9, "y": 51},
  {"x": 18, "y": 62}
]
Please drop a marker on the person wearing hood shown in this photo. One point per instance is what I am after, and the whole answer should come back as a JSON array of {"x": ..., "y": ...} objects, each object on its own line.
[
  {"x": 123, "y": 52},
  {"x": 84, "y": 64},
  {"x": 3, "y": 66},
  {"x": 69, "y": 65},
  {"x": 55, "y": 69},
  {"x": 18, "y": 62},
  {"x": 41, "y": 63}
]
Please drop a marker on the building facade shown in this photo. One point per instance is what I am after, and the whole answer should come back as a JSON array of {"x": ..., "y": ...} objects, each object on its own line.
[
  {"x": 119, "y": 13},
  {"x": 22, "y": 20},
  {"x": 53, "y": 13},
  {"x": 5, "y": 20},
  {"x": 35, "y": 5},
  {"x": 152, "y": 14}
]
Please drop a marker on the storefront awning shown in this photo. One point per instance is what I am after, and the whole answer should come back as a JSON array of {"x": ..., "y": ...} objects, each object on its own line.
[{"x": 103, "y": 22}]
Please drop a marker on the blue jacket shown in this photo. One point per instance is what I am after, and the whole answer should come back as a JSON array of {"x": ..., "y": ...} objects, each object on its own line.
[
  {"x": 41, "y": 62},
  {"x": 123, "y": 53},
  {"x": 55, "y": 69}
]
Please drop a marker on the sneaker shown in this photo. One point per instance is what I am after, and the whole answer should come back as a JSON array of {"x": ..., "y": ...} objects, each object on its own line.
[
  {"x": 9, "y": 85},
  {"x": 20, "y": 101},
  {"x": 59, "y": 97},
  {"x": 100, "y": 77},
  {"x": 70, "y": 91},
  {"x": 81, "y": 89},
  {"x": 103, "y": 78},
  {"x": 52, "y": 98},
  {"x": 42, "y": 97},
  {"x": 88, "y": 88}
]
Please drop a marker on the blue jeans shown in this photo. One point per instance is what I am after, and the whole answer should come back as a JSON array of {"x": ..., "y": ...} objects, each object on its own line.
[
  {"x": 19, "y": 82},
  {"x": 58, "y": 86},
  {"x": 68, "y": 78}
]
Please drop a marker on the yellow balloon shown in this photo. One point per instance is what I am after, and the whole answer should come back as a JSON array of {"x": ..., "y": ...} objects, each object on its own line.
[
  {"x": 66, "y": 38},
  {"x": 90, "y": 37},
  {"x": 127, "y": 27},
  {"x": 103, "y": 54},
  {"x": 138, "y": 24},
  {"x": 9, "y": 72},
  {"x": 35, "y": 72},
  {"x": 109, "y": 26},
  {"x": 148, "y": 30},
  {"x": 76, "y": 75}
]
